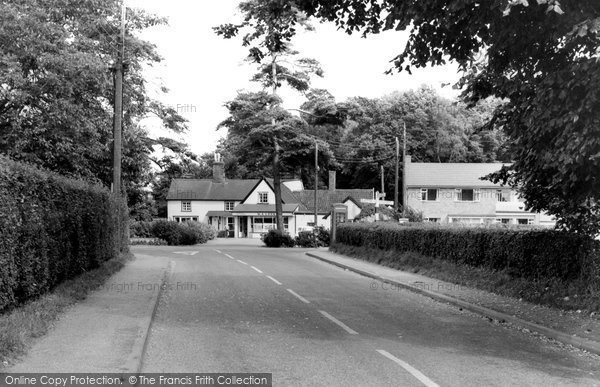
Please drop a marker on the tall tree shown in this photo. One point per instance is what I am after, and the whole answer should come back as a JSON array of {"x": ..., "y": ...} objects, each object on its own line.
[
  {"x": 250, "y": 132},
  {"x": 541, "y": 56},
  {"x": 56, "y": 88},
  {"x": 267, "y": 28}
]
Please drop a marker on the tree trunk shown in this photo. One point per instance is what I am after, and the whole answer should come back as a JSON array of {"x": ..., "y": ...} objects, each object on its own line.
[
  {"x": 277, "y": 189},
  {"x": 276, "y": 160}
]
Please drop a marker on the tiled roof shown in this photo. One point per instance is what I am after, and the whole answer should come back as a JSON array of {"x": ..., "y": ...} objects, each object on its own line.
[
  {"x": 208, "y": 189},
  {"x": 326, "y": 199},
  {"x": 450, "y": 175},
  {"x": 240, "y": 208}
]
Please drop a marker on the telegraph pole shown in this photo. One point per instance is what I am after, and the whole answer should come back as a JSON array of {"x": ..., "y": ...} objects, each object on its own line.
[
  {"x": 118, "y": 108},
  {"x": 382, "y": 180},
  {"x": 396, "y": 175},
  {"x": 316, "y": 183},
  {"x": 404, "y": 170}
]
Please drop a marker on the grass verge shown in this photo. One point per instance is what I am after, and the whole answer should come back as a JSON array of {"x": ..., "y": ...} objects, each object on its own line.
[
  {"x": 19, "y": 326},
  {"x": 552, "y": 292}
]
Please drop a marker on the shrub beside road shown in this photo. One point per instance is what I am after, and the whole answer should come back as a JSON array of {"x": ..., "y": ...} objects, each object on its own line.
[{"x": 543, "y": 266}]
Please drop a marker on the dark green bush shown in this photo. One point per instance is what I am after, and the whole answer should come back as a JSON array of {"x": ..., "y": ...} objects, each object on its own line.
[
  {"x": 51, "y": 229},
  {"x": 308, "y": 238},
  {"x": 323, "y": 236},
  {"x": 529, "y": 253},
  {"x": 140, "y": 229},
  {"x": 187, "y": 233},
  {"x": 170, "y": 232},
  {"x": 275, "y": 238}
]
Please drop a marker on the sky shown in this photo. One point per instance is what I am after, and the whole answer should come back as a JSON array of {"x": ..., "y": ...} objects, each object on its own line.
[{"x": 203, "y": 71}]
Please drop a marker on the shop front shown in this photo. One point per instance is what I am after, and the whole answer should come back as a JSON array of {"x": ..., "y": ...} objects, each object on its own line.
[{"x": 251, "y": 223}]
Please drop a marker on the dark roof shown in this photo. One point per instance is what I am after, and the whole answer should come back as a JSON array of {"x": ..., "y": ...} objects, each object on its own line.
[
  {"x": 208, "y": 189},
  {"x": 450, "y": 174},
  {"x": 326, "y": 198},
  {"x": 240, "y": 208}
]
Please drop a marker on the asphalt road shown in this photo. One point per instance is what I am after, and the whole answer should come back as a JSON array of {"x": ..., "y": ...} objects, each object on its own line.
[{"x": 250, "y": 309}]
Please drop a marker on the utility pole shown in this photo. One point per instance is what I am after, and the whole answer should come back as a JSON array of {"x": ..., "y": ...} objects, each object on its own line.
[
  {"x": 382, "y": 180},
  {"x": 404, "y": 171},
  {"x": 316, "y": 184},
  {"x": 396, "y": 175},
  {"x": 118, "y": 108}
]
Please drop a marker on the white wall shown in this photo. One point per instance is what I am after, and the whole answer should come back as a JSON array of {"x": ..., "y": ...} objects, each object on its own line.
[
  {"x": 262, "y": 187},
  {"x": 302, "y": 221},
  {"x": 199, "y": 208},
  {"x": 446, "y": 205},
  {"x": 353, "y": 209}
]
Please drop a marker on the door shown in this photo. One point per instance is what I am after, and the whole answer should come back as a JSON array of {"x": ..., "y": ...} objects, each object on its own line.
[{"x": 243, "y": 226}]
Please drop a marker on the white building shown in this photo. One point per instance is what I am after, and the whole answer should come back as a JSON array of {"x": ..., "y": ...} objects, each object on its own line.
[
  {"x": 456, "y": 193},
  {"x": 246, "y": 208}
]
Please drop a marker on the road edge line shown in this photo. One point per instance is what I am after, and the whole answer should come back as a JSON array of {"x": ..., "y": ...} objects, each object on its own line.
[
  {"x": 141, "y": 343},
  {"x": 581, "y": 343}
]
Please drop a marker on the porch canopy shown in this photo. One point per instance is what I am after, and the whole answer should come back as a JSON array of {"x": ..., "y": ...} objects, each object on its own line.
[
  {"x": 263, "y": 209},
  {"x": 219, "y": 213}
]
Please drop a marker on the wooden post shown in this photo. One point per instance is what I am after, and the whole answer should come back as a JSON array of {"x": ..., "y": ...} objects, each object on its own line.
[
  {"x": 316, "y": 186},
  {"x": 396, "y": 175},
  {"x": 404, "y": 172},
  {"x": 118, "y": 109},
  {"x": 382, "y": 179}
]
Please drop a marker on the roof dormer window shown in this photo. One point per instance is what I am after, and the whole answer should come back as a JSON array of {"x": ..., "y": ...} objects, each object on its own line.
[{"x": 263, "y": 197}]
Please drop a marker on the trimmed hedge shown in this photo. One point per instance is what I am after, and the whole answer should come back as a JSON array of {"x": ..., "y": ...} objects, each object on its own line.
[
  {"x": 52, "y": 228},
  {"x": 530, "y": 253}
]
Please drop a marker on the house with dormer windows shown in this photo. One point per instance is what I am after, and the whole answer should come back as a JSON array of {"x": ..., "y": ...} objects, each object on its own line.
[
  {"x": 245, "y": 208},
  {"x": 455, "y": 193}
]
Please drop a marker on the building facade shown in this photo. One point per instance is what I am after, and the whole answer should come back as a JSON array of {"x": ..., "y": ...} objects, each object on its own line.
[
  {"x": 246, "y": 208},
  {"x": 457, "y": 193}
]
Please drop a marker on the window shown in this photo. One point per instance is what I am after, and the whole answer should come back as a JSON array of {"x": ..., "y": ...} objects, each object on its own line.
[
  {"x": 432, "y": 220},
  {"x": 429, "y": 194},
  {"x": 186, "y": 206},
  {"x": 467, "y": 195},
  {"x": 263, "y": 197},
  {"x": 229, "y": 206},
  {"x": 466, "y": 220},
  {"x": 182, "y": 219},
  {"x": 502, "y": 195},
  {"x": 260, "y": 224},
  {"x": 524, "y": 221}
]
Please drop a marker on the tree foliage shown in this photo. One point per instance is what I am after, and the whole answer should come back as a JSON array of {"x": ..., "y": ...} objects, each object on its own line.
[
  {"x": 56, "y": 88},
  {"x": 541, "y": 56},
  {"x": 266, "y": 30},
  {"x": 251, "y": 130}
]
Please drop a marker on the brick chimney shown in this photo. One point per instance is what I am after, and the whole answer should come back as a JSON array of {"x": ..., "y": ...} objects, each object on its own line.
[
  {"x": 218, "y": 169},
  {"x": 332, "y": 181}
]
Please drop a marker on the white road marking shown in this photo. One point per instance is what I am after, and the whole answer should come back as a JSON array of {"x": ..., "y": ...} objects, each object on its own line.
[
  {"x": 256, "y": 269},
  {"x": 338, "y": 322},
  {"x": 298, "y": 296},
  {"x": 242, "y": 262},
  {"x": 218, "y": 251},
  {"x": 186, "y": 252},
  {"x": 274, "y": 280},
  {"x": 413, "y": 371},
  {"x": 229, "y": 256}
]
